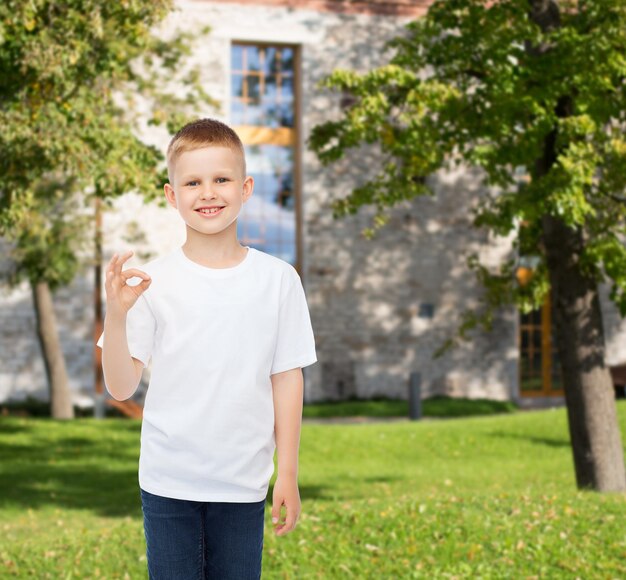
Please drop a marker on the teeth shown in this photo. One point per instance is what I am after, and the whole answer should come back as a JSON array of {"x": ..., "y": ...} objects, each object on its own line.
[{"x": 214, "y": 210}]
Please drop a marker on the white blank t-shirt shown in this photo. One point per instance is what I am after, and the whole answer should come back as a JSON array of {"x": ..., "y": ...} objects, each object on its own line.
[{"x": 215, "y": 336}]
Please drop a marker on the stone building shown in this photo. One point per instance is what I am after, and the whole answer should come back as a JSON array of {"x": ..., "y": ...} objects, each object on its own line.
[{"x": 379, "y": 308}]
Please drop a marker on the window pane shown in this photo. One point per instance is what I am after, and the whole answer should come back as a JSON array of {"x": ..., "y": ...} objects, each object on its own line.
[
  {"x": 237, "y": 58},
  {"x": 237, "y": 113},
  {"x": 253, "y": 59},
  {"x": 254, "y": 89},
  {"x": 254, "y": 115},
  {"x": 286, "y": 89},
  {"x": 269, "y": 64},
  {"x": 271, "y": 90},
  {"x": 237, "y": 86},
  {"x": 525, "y": 340},
  {"x": 287, "y": 60},
  {"x": 285, "y": 115}
]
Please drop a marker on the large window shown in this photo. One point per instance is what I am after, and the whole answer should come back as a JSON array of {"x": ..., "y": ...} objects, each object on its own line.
[
  {"x": 540, "y": 371},
  {"x": 263, "y": 112}
]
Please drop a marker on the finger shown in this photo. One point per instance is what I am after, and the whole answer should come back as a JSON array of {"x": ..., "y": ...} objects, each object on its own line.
[
  {"x": 110, "y": 270},
  {"x": 110, "y": 266},
  {"x": 139, "y": 289},
  {"x": 121, "y": 259},
  {"x": 276, "y": 512},
  {"x": 113, "y": 272},
  {"x": 134, "y": 273},
  {"x": 108, "y": 279},
  {"x": 290, "y": 522},
  {"x": 115, "y": 265}
]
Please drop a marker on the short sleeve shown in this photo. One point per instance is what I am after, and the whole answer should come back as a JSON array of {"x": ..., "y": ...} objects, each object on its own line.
[
  {"x": 295, "y": 344},
  {"x": 140, "y": 331}
]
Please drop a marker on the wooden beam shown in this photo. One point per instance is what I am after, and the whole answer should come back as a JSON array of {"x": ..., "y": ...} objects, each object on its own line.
[{"x": 253, "y": 135}]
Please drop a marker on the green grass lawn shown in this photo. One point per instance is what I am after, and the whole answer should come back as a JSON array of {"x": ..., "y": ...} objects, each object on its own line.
[{"x": 481, "y": 497}]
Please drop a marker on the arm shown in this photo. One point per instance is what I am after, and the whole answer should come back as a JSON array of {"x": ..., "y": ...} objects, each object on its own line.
[
  {"x": 122, "y": 372},
  {"x": 288, "y": 390}
]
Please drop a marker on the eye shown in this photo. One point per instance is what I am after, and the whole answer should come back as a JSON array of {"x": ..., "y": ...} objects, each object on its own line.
[
  {"x": 191, "y": 183},
  {"x": 222, "y": 179}
]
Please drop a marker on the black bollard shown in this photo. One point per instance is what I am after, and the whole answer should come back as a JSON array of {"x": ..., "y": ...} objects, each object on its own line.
[{"x": 415, "y": 396}]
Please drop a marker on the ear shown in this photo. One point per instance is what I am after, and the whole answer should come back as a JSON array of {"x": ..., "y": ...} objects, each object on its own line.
[
  {"x": 170, "y": 195},
  {"x": 248, "y": 187}
]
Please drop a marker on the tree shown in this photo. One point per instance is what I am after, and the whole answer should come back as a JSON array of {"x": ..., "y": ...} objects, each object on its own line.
[
  {"x": 536, "y": 86},
  {"x": 75, "y": 78}
]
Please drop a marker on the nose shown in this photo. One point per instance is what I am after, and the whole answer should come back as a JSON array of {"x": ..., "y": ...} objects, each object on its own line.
[{"x": 207, "y": 193}]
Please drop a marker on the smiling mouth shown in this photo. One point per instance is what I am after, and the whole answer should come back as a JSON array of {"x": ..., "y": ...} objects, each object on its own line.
[{"x": 209, "y": 212}]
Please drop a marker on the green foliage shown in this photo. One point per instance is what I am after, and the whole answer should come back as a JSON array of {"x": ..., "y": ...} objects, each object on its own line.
[
  {"x": 48, "y": 234},
  {"x": 436, "y": 406},
  {"x": 34, "y": 407},
  {"x": 482, "y": 84},
  {"x": 608, "y": 249},
  {"x": 77, "y": 76}
]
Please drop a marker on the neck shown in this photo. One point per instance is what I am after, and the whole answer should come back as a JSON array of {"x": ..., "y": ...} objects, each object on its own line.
[{"x": 214, "y": 250}]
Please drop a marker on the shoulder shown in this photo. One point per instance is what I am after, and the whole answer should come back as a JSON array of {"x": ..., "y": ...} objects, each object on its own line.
[{"x": 276, "y": 267}]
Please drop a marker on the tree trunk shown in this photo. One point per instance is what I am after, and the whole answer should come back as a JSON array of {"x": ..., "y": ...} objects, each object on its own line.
[
  {"x": 60, "y": 396},
  {"x": 589, "y": 394},
  {"x": 592, "y": 414},
  {"x": 99, "y": 395}
]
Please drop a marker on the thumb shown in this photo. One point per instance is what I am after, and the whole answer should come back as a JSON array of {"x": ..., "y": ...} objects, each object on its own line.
[
  {"x": 143, "y": 286},
  {"x": 276, "y": 511}
]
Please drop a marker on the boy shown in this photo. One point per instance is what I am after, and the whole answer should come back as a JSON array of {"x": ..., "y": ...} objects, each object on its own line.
[{"x": 228, "y": 330}]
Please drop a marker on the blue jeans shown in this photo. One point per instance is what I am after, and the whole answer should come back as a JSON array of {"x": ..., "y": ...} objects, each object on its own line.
[{"x": 189, "y": 540}]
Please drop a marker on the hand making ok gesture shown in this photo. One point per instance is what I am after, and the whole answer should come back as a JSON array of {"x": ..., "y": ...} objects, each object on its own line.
[{"x": 120, "y": 296}]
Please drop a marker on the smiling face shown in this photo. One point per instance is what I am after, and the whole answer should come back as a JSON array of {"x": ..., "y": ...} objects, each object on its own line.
[{"x": 210, "y": 177}]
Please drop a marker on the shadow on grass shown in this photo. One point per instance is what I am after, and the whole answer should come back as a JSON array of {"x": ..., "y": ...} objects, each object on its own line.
[
  {"x": 92, "y": 467},
  {"x": 333, "y": 493},
  {"x": 315, "y": 492},
  {"x": 11, "y": 428},
  {"x": 70, "y": 472},
  {"x": 113, "y": 494},
  {"x": 380, "y": 479},
  {"x": 547, "y": 441}
]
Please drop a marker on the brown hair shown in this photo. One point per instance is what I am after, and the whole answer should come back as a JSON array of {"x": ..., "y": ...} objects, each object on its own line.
[{"x": 203, "y": 133}]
